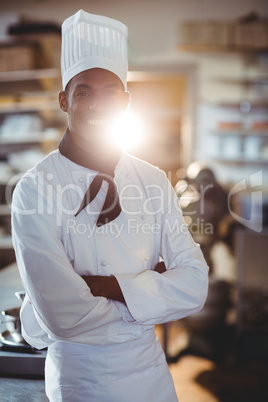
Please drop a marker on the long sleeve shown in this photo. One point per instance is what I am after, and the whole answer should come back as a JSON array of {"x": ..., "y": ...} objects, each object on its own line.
[
  {"x": 154, "y": 298},
  {"x": 62, "y": 302}
]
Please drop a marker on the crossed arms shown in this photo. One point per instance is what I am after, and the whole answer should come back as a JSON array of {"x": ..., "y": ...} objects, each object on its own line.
[{"x": 108, "y": 286}]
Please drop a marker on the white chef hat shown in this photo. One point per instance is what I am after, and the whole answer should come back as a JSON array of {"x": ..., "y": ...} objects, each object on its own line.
[{"x": 93, "y": 41}]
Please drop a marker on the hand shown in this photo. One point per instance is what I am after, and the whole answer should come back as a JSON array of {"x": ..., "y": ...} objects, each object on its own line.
[
  {"x": 104, "y": 286},
  {"x": 160, "y": 267}
]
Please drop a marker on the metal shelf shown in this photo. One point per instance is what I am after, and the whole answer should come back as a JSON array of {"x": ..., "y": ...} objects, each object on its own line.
[
  {"x": 241, "y": 133},
  {"x": 217, "y": 49},
  {"x": 29, "y": 75},
  {"x": 241, "y": 161},
  {"x": 22, "y": 107}
]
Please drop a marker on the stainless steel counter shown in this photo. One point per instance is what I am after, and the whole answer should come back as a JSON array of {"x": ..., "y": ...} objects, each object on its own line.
[{"x": 22, "y": 390}]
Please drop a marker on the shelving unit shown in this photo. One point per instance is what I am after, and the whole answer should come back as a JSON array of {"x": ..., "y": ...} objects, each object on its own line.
[
  {"x": 232, "y": 122},
  {"x": 28, "y": 75},
  {"x": 244, "y": 144},
  {"x": 28, "y": 92}
]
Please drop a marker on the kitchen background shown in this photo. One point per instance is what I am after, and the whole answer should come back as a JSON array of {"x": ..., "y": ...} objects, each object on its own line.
[{"x": 198, "y": 80}]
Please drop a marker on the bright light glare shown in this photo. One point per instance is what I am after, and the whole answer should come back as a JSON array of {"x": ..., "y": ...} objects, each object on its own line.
[{"x": 127, "y": 131}]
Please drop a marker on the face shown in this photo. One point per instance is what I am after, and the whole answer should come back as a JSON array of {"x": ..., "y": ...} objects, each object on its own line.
[{"x": 93, "y": 99}]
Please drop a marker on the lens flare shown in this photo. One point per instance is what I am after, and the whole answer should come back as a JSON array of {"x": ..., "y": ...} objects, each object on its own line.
[{"x": 127, "y": 131}]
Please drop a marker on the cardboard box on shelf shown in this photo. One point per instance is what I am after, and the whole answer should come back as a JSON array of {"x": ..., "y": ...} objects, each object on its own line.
[
  {"x": 207, "y": 33},
  {"x": 49, "y": 52},
  {"x": 16, "y": 58},
  {"x": 252, "y": 35},
  {"x": 224, "y": 35}
]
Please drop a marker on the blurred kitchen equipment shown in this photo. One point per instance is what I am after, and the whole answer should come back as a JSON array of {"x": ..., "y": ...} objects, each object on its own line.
[
  {"x": 215, "y": 309},
  {"x": 16, "y": 356},
  {"x": 20, "y": 127},
  {"x": 11, "y": 318},
  {"x": 204, "y": 204},
  {"x": 14, "y": 341},
  {"x": 20, "y": 295},
  {"x": 25, "y": 160}
]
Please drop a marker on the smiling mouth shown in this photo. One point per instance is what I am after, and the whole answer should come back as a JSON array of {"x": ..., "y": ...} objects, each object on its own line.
[{"x": 97, "y": 122}]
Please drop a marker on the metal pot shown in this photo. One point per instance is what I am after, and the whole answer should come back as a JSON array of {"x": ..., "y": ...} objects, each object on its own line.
[{"x": 11, "y": 318}]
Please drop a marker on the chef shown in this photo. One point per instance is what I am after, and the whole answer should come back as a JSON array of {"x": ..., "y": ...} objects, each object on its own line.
[{"x": 100, "y": 242}]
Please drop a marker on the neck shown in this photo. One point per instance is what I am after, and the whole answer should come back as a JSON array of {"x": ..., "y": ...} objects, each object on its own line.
[
  {"x": 97, "y": 157},
  {"x": 97, "y": 150}
]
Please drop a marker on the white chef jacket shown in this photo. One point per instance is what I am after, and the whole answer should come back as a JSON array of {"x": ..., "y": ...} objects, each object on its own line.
[{"x": 54, "y": 249}]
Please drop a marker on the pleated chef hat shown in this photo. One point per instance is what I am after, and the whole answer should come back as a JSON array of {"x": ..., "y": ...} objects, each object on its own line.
[{"x": 93, "y": 41}]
